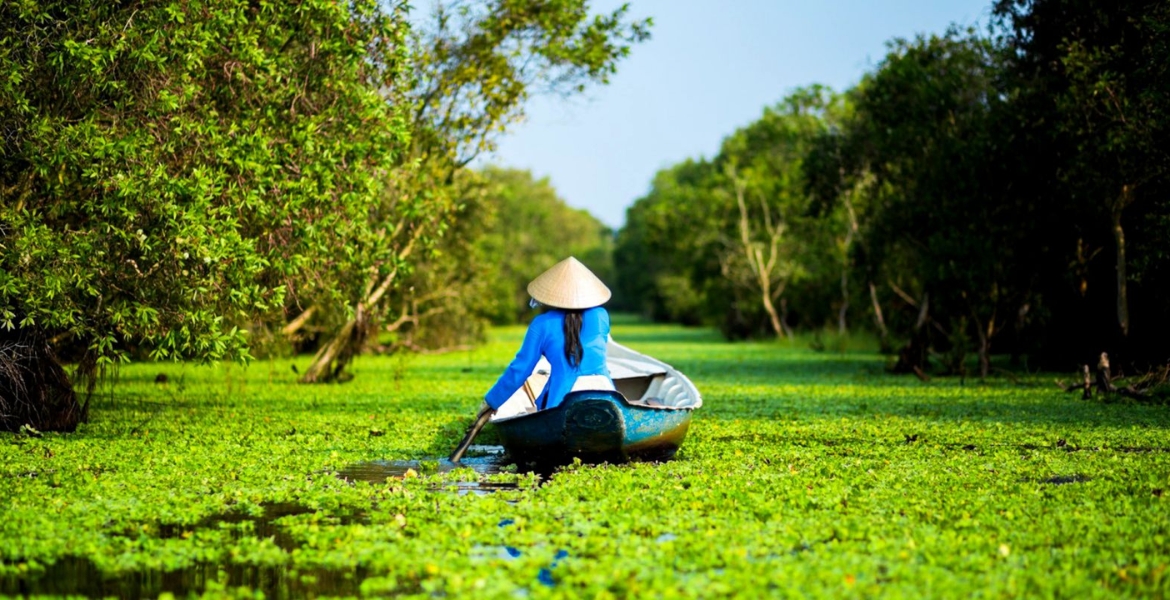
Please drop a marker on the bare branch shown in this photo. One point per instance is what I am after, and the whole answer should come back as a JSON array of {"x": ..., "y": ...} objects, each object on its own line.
[{"x": 296, "y": 324}]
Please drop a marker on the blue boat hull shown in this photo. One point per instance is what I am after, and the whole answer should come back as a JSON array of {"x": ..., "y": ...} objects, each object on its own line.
[{"x": 594, "y": 426}]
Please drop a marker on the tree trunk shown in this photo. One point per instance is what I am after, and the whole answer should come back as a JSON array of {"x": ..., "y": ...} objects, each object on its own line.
[
  {"x": 763, "y": 269},
  {"x": 773, "y": 316},
  {"x": 923, "y": 312},
  {"x": 296, "y": 324},
  {"x": 842, "y": 327},
  {"x": 35, "y": 391},
  {"x": 1104, "y": 375},
  {"x": 877, "y": 313},
  {"x": 912, "y": 356},
  {"x": 784, "y": 317},
  {"x": 332, "y": 359},
  {"x": 1119, "y": 240},
  {"x": 770, "y": 306},
  {"x": 985, "y": 346}
]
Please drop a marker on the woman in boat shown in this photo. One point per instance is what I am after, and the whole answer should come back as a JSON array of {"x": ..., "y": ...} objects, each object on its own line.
[{"x": 572, "y": 335}]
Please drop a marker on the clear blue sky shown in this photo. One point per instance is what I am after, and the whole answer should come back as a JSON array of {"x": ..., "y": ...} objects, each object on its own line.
[{"x": 709, "y": 68}]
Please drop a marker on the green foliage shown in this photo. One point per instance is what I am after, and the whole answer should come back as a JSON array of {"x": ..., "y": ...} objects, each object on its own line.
[
  {"x": 661, "y": 249},
  {"x": 479, "y": 62},
  {"x": 804, "y": 473},
  {"x": 475, "y": 66},
  {"x": 940, "y": 219},
  {"x": 972, "y": 194},
  {"x": 511, "y": 227},
  {"x": 1092, "y": 80},
  {"x": 533, "y": 229},
  {"x": 687, "y": 250},
  {"x": 170, "y": 172}
]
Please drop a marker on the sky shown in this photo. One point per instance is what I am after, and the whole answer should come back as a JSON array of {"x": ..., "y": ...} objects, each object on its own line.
[{"x": 709, "y": 68}]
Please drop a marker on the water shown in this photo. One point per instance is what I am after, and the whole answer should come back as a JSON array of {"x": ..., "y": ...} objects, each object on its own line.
[
  {"x": 76, "y": 575},
  {"x": 484, "y": 460},
  {"x": 80, "y": 576},
  {"x": 263, "y": 526},
  {"x": 1066, "y": 479}
]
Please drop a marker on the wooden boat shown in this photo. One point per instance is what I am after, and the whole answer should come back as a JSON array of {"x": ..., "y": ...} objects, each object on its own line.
[{"x": 646, "y": 418}]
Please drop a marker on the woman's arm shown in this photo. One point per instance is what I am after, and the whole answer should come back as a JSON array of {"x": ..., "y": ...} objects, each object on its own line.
[{"x": 517, "y": 372}]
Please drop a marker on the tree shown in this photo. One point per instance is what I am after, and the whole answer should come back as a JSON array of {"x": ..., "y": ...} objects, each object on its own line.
[
  {"x": 476, "y": 65},
  {"x": 840, "y": 191},
  {"x": 996, "y": 193},
  {"x": 533, "y": 230},
  {"x": 764, "y": 161},
  {"x": 664, "y": 254},
  {"x": 511, "y": 227},
  {"x": 721, "y": 241},
  {"x": 928, "y": 128},
  {"x": 172, "y": 172},
  {"x": 1094, "y": 81},
  {"x": 768, "y": 268}
]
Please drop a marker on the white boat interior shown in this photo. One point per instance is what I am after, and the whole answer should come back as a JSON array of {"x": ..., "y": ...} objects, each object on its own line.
[{"x": 640, "y": 379}]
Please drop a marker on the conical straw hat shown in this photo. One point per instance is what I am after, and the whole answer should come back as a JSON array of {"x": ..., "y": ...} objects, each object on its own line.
[{"x": 569, "y": 284}]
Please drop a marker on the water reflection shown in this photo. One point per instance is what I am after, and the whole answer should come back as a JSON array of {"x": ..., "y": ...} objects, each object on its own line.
[
  {"x": 484, "y": 460},
  {"x": 78, "y": 576}
]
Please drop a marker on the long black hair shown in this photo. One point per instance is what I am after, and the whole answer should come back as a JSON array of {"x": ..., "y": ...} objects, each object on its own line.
[{"x": 572, "y": 328}]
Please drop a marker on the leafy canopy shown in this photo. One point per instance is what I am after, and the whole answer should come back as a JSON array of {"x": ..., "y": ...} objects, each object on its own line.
[{"x": 170, "y": 171}]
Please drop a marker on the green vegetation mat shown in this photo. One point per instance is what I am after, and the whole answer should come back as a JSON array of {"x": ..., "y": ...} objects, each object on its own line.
[{"x": 805, "y": 474}]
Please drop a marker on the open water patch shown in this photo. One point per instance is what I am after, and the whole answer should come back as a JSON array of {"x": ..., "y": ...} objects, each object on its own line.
[
  {"x": 480, "y": 552},
  {"x": 1065, "y": 479},
  {"x": 484, "y": 460},
  {"x": 242, "y": 524},
  {"x": 79, "y": 576}
]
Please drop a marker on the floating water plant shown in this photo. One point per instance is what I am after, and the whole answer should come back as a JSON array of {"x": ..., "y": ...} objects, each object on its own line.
[{"x": 808, "y": 474}]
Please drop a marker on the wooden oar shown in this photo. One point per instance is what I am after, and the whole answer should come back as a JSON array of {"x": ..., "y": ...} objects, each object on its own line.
[{"x": 480, "y": 420}]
